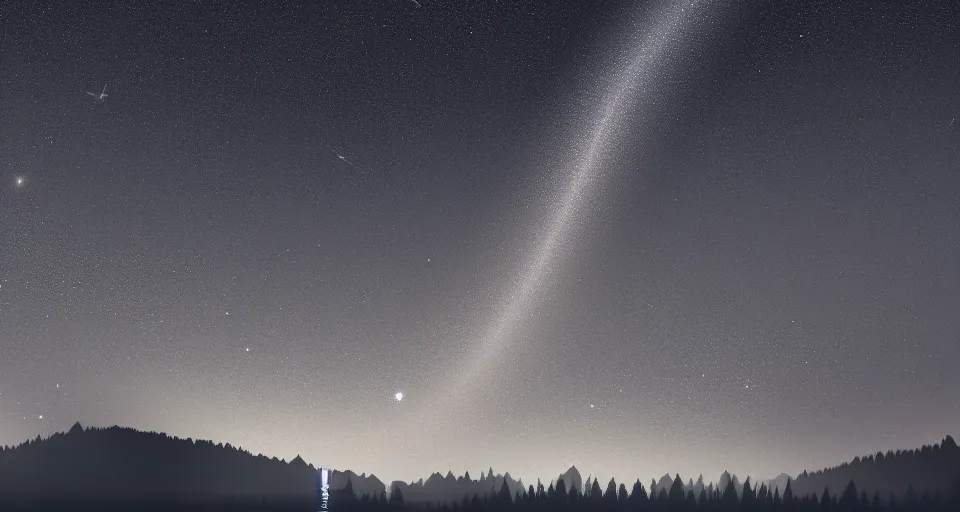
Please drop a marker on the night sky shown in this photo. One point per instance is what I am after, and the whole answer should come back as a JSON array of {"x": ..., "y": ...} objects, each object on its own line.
[{"x": 641, "y": 237}]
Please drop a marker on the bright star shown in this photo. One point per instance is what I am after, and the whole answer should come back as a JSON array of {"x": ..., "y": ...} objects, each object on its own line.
[
  {"x": 398, "y": 396},
  {"x": 21, "y": 181}
]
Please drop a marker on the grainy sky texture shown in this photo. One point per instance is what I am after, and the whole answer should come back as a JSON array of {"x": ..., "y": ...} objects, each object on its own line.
[{"x": 641, "y": 237}]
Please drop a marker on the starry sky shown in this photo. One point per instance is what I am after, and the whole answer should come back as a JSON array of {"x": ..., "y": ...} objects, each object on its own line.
[{"x": 638, "y": 236}]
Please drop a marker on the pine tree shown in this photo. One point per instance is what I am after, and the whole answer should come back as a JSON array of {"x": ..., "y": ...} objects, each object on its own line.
[
  {"x": 638, "y": 495},
  {"x": 595, "y": 492},
  {"x": 676, "y": 495},
  {"x": 610, "y": 495},
  {"x": 504, "y": 497},
  {"x": 848, "y": 500},
  {"x": 825, "y": 501},
  {"x": 561, "y": 491},
  {"x": 348, "y": 495},
  {"x": 622, "y": 495},
  {"x": 730, "y": 499},
  {"x": 748, "y": 500}
]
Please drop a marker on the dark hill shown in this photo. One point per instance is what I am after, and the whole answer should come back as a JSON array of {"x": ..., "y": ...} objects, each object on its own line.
[
  {"x": 931, "y": 469},
  {"x": 572, "y": 479},
  {"x": 116, "y": 468}
]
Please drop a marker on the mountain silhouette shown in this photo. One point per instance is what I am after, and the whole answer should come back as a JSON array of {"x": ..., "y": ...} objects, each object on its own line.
[
  {"x": 121, "y": 468},
  {"x": 572, "y": 479},
  {"x": 664, "y": 484},
  {"x": 779, "y": 482}
]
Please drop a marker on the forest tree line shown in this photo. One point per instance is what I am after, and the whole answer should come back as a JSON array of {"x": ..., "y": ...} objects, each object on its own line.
[
  {"x": 124, "y": 469},
  {"x": 616, "y": 498}
]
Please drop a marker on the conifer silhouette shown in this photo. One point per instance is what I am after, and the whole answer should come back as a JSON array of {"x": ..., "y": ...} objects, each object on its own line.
[{"x": 596, "y": 493}]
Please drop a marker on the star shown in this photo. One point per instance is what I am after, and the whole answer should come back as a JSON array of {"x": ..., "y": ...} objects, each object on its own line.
[
  {"x": 398, "y": 396},
  {"x": 20, "y": 181}
]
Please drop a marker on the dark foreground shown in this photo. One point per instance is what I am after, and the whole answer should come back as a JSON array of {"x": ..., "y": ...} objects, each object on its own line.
[{"x": 119, "y": 469}]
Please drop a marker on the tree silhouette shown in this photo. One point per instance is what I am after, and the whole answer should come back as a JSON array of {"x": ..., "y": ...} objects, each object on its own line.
[
  {"x": 504, "y": 497},
  {"x": 610, "y": 495},
  {"x": 825, "y": 501},
  {"x": 748, "y": 499},
  {"x": 638, "y": 496},
  {"x": 730, "y": 499},
  {"x": 561, "y": 491},
  {"x": 348, "y": 495},
  {"x": 676, "y": 495},
  {"x": 849, "y": 500},
  {"x": 596, "y": 493},
  {"x": 60, "y": 472}
]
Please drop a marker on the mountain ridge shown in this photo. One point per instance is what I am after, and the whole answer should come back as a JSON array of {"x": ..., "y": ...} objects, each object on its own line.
[{"x": 110, "y": 461}]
